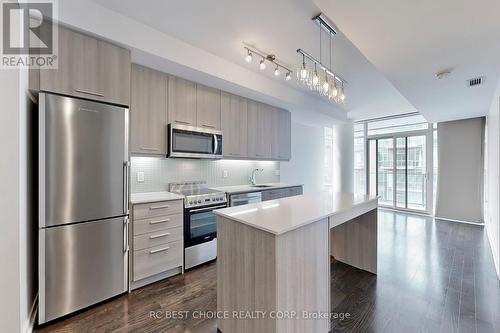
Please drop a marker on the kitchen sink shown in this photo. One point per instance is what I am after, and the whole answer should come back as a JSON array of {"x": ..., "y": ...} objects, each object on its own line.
[{"x": 261, "y": 186}]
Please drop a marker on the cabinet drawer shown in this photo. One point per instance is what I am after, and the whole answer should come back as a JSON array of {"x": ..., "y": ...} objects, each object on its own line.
[
  {"x": 152, "y": 239},
  {"x": 144, "y": 211},
  {"x": 157, "y": 259},
  {"x": 157, "y": 223}
]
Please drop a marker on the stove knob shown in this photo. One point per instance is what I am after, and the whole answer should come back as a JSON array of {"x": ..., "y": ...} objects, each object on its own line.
[
  {"x": 213, "y": 199},
  {"x": 190, "y": 202},
  {"x": 199, "y": 201}
]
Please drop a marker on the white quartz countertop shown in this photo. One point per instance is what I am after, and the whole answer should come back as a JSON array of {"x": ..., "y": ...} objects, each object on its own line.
[
  {"x": 249, "y": 188},
  {"x": 138, "y": 198},
  {"x": 286, "y": 214}
]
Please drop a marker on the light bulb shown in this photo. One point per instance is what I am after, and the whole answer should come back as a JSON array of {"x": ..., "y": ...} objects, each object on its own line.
[
  {"x": 334, "y": 91},
  {"x": 262, "y": 65},
  {"x": 248, "y": 57},
  {"x": 342, "y": 97},
  {"x": 303, "y": 73},
  {"x": 276, "y": 71},
  {"x": 315, "y": 79},
  {"x": 288, "y": 77},
  {"x": 326, "y": 86}
]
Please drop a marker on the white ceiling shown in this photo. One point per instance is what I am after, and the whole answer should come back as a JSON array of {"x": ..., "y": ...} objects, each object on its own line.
[
  {"x": 278, "y": 26},
  {"x": 410, "y": 40}
]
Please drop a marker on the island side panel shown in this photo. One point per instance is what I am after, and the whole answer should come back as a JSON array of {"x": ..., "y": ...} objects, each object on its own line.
[
  {"x": 246, "y": 276},
  {"x": 303, "y": 277},
  {"x": 355, "y": 242}
]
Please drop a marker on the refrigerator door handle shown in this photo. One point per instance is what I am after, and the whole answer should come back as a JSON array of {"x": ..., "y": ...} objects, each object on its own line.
[
  {"x": 126, "y": 165},
  {"x": 125, "y": 234}
]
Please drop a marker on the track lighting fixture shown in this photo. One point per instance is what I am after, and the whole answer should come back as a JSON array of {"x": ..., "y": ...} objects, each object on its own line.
[
  {"x": 248, "y": 57},
  {"x": 262, "y": 64},
  {"x": 277, "y": 71},
  {"x": 271, "y": 58}
]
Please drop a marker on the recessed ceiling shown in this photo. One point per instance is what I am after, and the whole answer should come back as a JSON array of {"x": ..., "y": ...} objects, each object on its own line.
[
  {"x": 410, "y": 41},
  {"x": 280, "y": 27}
]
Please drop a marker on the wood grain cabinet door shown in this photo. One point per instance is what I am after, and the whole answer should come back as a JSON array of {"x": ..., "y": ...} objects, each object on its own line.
[
  {"x": 89, "y": 68},
  {"x": 148, "y": 111},
  {"x": 208, "y": 107},
  {"x": 181, "y": 101},
  {"x": 284, "y": 131},
  {"x": 234, "y": 125},
  {"x": 259, "y": 134},
  {"x": 114, "y": 73}
]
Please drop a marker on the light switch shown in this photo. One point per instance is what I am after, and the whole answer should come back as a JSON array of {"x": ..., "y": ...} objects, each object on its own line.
[
  {"x": 140, "y": 176},
  {"x": 225, "y": 174},
  {"x": 277, "y": 172}
]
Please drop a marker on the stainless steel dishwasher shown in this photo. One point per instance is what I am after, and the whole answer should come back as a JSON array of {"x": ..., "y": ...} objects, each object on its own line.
[{"x": 244, "y": 198}]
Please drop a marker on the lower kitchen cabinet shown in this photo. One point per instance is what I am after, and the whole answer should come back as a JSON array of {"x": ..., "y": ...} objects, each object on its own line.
[
  {"x": 281, "y": 193},
  {"x": 156, "y": 241}
]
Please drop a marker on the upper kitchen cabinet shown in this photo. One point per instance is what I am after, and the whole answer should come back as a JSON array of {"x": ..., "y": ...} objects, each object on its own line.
[
  {"x": 281, "y": 134},
  {"x": 181, "y": 101},
  {"x": 208, "y": 107},
  {"x": 234, "y": 125},
  {"x": 259, "y": 130},
  {"x": 148, "y": 111},
  {"x": 89, "y": 68}
]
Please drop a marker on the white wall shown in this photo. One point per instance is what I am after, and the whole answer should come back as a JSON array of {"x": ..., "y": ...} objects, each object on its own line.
[
  {"x": 308, "y": 142},
  {"x": 18, "y": 226},
  {"x": 492, "y": 219},
  {"x": 9, "y": 205}
]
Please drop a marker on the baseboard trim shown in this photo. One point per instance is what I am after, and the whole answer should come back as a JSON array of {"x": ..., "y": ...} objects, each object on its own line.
[
  {"x": 30, "y": 323},
  {"x": 459, "y": 221},
  {"x": 494, "y": 251}
]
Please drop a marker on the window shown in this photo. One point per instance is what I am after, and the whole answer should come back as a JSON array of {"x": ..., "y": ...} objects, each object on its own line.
[{"x": 359, "y": 159}]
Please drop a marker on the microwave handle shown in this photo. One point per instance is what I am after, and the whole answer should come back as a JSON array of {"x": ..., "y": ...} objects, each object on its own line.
[{"x": 216, "y": 144}]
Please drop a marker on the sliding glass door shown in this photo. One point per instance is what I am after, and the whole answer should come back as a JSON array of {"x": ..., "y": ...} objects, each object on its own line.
[{"x": 398, "y": 167}]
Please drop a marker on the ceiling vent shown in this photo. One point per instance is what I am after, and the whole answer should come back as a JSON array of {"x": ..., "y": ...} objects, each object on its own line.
[{"x": 475, "y": 81}]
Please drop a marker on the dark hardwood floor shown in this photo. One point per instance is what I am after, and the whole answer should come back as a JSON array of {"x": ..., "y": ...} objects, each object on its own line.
[{"x": 434, "y": 276}]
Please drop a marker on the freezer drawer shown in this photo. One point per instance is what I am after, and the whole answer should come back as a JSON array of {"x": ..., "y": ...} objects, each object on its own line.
[{"x": 80, "y": 265}]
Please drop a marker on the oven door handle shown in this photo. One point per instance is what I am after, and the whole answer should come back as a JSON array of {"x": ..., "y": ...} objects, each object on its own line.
[{"x": 207, "y": 209}]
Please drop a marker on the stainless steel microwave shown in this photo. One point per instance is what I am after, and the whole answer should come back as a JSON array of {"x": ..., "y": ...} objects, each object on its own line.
[{"x": 193, "y": 142}]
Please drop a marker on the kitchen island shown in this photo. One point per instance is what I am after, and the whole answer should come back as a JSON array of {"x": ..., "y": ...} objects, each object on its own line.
[{"x": 273, "y": 259}]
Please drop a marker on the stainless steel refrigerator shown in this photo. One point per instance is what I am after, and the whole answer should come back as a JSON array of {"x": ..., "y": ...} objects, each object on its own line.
[{"x": 82, "y": 203}]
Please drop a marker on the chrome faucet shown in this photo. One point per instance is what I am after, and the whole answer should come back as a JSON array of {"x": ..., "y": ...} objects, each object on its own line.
[{"x": 253, "y": 180}]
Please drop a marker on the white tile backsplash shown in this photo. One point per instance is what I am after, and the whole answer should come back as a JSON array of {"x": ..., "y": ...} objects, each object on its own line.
[{"x": 159, "y": 172}]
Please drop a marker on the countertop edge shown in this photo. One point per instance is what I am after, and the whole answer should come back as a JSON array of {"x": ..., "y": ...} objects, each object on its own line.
[
  {"x": 308, "y": 221},
  {"x": 167, "y": 196},
  {"x": 256, "y": 189}
]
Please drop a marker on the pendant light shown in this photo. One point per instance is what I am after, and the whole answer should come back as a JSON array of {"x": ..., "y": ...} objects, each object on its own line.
[{"x": 328, "y": 84}]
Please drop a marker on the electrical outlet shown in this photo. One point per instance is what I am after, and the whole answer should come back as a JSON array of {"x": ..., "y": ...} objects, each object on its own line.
[
  {"x": 225, "y": 174},
  {"x": 277, "y": 172},
  {"x": 140, "y": 176}
]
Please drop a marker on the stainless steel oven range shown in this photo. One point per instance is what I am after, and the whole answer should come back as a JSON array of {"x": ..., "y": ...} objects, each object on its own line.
[{"x": 200, "y": 223}]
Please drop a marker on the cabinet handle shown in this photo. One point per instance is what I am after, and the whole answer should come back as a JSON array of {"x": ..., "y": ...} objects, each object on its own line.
[
  {"x": 209, "y": 126},
  {"x": 159, "y": 250},
  {"x": 146, "y": 148},
  {"x": 182, "y": 122},
  {"x": 235, "y": 154},
  {"x": 160, "y": 221},
  {"x": 160, "y": 235},
  {"x": 158, "y": 207},
  {"x": 81, "y": 91}
]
